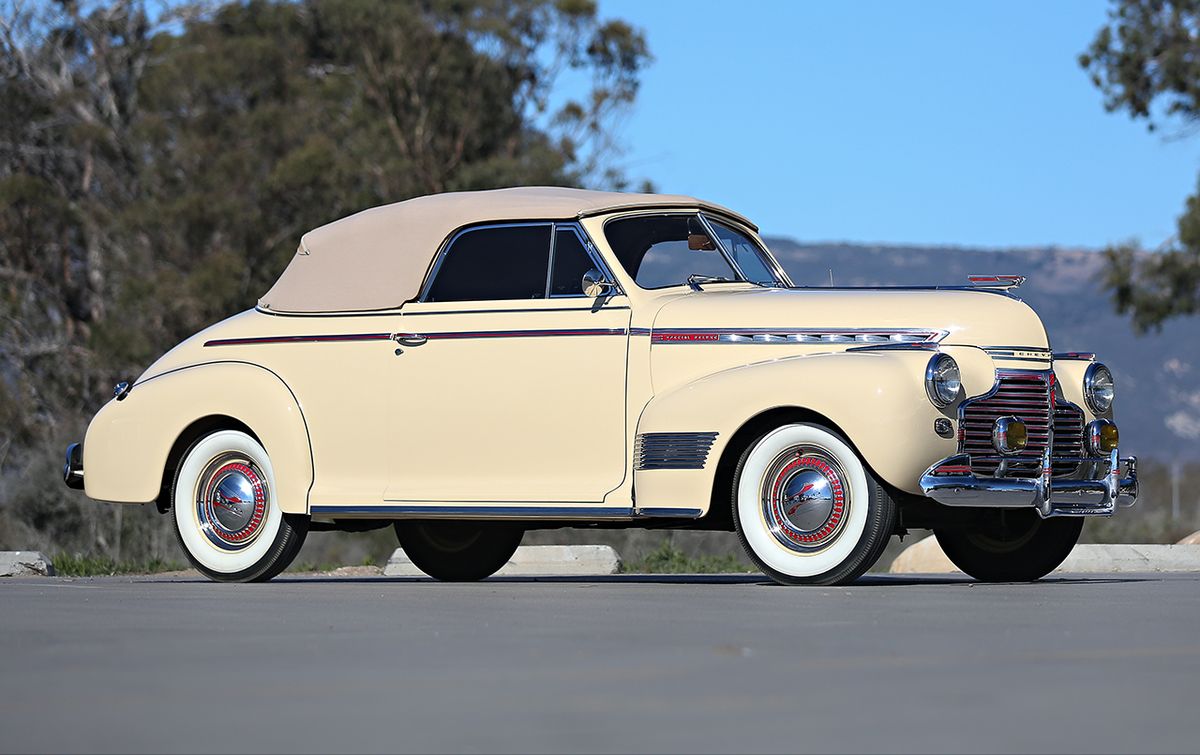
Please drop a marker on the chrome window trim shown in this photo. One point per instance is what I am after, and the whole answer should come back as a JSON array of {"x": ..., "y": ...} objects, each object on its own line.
[
  {"x": 673, "y": 213},
  {"x": 764, "y": 254},
  {"x": 509, "y": 310},
  {"x": 590, "y": 249},
  {"x": 431, "y": 276},
  {"x": 554, "y": 226}
]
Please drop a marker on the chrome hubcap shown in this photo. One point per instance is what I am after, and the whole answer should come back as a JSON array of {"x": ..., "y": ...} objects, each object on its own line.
[
  {"x": 804, "y": 498},
  {"x": 231, "y": 502}
]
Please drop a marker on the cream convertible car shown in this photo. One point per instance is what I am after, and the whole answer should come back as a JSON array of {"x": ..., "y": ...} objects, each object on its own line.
[{"x": 471, "y": 366}]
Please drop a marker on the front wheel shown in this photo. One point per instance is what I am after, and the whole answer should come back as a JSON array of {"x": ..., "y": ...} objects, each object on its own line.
[
  {"x": 458, "y": 551},
  {"x": 226, "y": 513},
  {"x": 1010, "y": 546},
  {"x": 806, "y": 508}
]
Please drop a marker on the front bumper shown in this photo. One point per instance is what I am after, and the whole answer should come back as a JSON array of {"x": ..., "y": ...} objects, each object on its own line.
[{"x": 1104, "y": 487}]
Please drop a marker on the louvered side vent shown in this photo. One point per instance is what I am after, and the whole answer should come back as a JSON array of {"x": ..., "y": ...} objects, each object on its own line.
[
  {"x": 1025, "y": 395},
  {"x": 672, "y": 450},
  {"x": 1068, "y": 438}
]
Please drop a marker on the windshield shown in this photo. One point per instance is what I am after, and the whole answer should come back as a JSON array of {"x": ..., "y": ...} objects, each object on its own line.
[{"x": 666, "y": 250}]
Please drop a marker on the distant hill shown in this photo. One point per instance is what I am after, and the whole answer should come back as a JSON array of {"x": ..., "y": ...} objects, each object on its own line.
[{"x": 1158, "y": 375}]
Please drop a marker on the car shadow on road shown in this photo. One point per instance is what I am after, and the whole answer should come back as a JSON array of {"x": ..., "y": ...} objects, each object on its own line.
[{"x": 868, "y": 580}]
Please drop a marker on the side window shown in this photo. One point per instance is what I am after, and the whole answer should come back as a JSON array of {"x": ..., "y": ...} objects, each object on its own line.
[
  {"x": 504, "y": 262},
  {"x": 571, "y": 261}
]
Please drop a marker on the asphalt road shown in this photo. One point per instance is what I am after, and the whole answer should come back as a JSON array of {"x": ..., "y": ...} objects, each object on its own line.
[{"x": 623, "y": 663}]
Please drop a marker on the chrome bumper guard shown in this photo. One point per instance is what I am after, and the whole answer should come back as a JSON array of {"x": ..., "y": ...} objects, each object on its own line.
[
  {"x": 73, "y": 468},
  {"x": 952, "y": 483}
]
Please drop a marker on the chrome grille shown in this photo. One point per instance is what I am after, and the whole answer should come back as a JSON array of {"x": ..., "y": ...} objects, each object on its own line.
[
  {"x": 1068, "y": 437},
  {"x": 1025, "y": 395},
  {"x": 672, "y": 450}
]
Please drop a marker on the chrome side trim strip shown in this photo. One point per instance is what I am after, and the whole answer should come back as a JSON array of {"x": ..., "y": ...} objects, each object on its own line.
[
  {"x": 533, "y": 333},
  {"x": 447, "y": 335},
  {"x": 660, "y": 513},
  {"x": 795, "y": 335},
  {"x": 523, "y": 310},
  {"x": 1042, "y": 360},
  {"x": 1006, "y": 349},
  {"x": 329, "y": 338},
  {"x": 918, "y": 346},
  {"x": 469, "y": 511}
]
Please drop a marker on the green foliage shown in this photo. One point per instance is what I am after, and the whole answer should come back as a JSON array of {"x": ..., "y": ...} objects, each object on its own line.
[
  {"x": 158, "y": 169},
  {"x": 67, "y": 565},
  {"x": 1148, "y": 52},
  {"x": 668, "y": 559},
  {"x": 1148, "y": 55}
]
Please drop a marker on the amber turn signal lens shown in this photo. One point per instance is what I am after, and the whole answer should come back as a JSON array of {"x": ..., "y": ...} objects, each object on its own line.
[{"x": 1103, "y": 437}]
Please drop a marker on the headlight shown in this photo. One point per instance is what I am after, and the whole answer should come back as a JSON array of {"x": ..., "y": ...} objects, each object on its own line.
[
  {"x": 942, "y": 380},
  {"x": 1098, "y": 388}
]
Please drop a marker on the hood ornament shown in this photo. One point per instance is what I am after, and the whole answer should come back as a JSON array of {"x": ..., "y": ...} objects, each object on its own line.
[{"x": 996, "y": 281}]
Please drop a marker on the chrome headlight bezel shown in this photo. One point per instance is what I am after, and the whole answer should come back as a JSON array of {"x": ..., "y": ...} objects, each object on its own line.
[
  {"x": 1099, "y": 399},
  {"x": 943, "y": 380}
]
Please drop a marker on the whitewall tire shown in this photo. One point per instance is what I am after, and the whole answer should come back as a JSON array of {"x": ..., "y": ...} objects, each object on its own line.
[
  {"x": 806, "y": 508},
  {"x": 227, "y": 515}
]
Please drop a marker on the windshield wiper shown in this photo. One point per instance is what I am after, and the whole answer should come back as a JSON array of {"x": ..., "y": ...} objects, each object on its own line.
[{"x": 695, "y": 279}]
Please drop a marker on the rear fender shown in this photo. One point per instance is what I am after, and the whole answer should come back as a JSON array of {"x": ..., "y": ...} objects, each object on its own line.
[{"x": 129, "y": 442}]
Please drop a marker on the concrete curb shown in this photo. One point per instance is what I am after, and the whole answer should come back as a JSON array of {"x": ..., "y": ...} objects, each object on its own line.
[
  {"x": 926, "y": 557},
  {"x": 25, "y": 564},
  {"x": 532, "y": 561}
]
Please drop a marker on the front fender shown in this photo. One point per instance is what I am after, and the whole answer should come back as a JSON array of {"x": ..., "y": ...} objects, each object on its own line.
[
  {"x": 128, "y": 442},
  {"x": 876, "y": 398}
]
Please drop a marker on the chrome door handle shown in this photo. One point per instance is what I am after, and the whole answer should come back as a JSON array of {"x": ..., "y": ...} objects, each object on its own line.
[{"x": 409, "y": 339}]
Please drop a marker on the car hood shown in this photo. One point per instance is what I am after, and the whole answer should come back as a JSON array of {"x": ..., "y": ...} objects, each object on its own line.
[{"x": 966, "y": 317}]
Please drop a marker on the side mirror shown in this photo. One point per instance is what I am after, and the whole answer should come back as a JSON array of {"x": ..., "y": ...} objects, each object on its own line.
[{"x": 595, "y": 284}]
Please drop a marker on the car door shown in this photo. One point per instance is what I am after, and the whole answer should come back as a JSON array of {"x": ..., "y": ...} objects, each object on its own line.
[{"x": 509, "y": 382}]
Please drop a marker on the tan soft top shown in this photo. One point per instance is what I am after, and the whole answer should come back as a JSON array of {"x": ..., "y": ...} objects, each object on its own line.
[{"x": 377, "y": 259}]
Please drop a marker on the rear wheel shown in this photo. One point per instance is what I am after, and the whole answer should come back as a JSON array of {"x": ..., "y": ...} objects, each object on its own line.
[
  {"x": 806, "y": 508},
  {"x": 459, "y": 551},
  {"x": 1001, "y": 545},
  {"x": 227, "y": 517}
]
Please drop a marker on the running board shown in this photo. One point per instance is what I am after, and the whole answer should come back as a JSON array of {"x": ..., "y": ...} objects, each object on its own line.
[{"x": 468, "y": 511}]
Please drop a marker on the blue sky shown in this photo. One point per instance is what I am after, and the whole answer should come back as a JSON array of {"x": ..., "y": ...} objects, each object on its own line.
[{"x": 911, "y": 122}]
